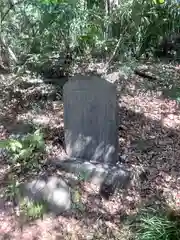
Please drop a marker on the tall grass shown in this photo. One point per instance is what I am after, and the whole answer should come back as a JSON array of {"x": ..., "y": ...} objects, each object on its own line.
[{"x": 157, "y": 226}]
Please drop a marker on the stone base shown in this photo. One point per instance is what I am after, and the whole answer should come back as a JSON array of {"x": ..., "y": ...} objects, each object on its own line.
[{"x": 94, "y": 172}]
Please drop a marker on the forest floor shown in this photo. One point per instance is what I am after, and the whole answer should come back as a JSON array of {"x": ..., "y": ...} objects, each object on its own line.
[{"x": 149, "y": 138}]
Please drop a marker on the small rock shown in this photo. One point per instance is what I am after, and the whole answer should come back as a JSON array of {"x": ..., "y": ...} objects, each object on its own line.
[
  {"x": 53, "y": 190},
  {"x": 116, "y": 178},
  {"x": 113, "y": 77}
]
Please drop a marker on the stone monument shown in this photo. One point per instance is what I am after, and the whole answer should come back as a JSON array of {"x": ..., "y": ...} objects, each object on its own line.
[{"x": 91, "y": 127}]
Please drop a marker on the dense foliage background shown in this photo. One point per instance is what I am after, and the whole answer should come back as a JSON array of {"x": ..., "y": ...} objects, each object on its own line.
[{"x": 122, "y": 29}]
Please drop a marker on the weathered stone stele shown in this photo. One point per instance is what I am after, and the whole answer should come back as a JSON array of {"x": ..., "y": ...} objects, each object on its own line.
[
  {"x": 90, "y": 120},
  {"x": 91, "y": 133}
]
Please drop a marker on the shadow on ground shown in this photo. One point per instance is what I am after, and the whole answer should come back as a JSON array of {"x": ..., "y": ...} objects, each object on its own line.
[
  {"x": 152, "y": 153},
  {"x": 166, "y": 82}
]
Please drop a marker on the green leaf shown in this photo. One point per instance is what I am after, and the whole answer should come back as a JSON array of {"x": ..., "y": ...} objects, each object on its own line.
[
  {"x": 158, "y": 1},
  {"x": 4, "y": 143},
  {"x": 77, "y": 196},
  {"x": 53, "y": 1},
  {"x": 14, "y": 144},
  {"x": 11, "y": 144},
  {"x": 178, "y": 99},
  {"x": 25, "y": 153}
]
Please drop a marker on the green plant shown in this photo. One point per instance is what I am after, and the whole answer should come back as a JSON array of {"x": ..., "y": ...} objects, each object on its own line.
[
  {"x": 33, "y": 210},
  {"x": 12, "y": 190},
  {"x": 23, "y": 149},
  {"x": 33, "y": 29},
  {"x": 83, "y": 176},
  {"x": 77, "y": 199},
  {"x": 156, "y": 225},
  {"x": 77, "y": 194}
]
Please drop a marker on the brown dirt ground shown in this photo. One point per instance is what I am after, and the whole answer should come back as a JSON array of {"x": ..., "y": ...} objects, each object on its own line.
[{"x": 149, "y": 138}]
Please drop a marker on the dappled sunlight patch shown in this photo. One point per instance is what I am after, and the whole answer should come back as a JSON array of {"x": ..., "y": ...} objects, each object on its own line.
[
  {"x": 113, "y": 206},
  {"x": 171, "y": 121},
  {"x": 43, "y": 119},
  {"x": 151, "y": 148},
  {"x": 70, "y": 225},
  {"x": 172, "y": 198},
  {"x": 36, "y": 119},
  {"x": 152, "y": 107},
  {"x": 47, "y": 228},
  {"x": 150, "y": 141},
  {"x": 7, "y": 220},
  {"x": 123, "y": 202}
]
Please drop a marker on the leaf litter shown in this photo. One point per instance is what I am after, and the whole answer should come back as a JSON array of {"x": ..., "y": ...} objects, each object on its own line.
[{"x": 149, "y": 139}]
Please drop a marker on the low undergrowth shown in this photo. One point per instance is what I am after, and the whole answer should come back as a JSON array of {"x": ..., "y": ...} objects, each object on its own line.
[{"x": 156, "y": 225}]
